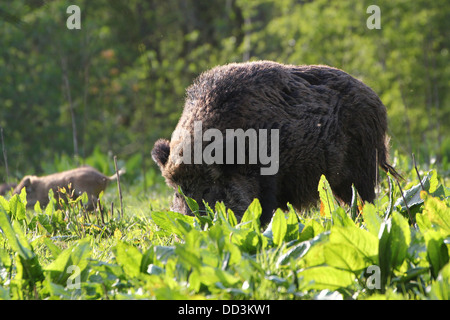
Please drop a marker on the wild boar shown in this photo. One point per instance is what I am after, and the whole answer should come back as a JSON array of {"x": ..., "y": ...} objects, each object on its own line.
[
  {"x": 5, "y": 187},
  {"x": 320, "y": 120},
  {"x": 83, "y": 179}
]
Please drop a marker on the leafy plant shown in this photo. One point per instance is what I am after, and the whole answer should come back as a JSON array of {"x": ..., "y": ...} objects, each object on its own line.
[{"x": 57, "y": 253}]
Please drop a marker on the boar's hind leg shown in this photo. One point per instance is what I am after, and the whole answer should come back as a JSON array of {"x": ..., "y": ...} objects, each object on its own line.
[{"x": 268, "y": 198}]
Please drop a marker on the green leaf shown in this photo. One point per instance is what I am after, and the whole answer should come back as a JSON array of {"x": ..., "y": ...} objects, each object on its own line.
[
  {"x": 52, "y": 247},
  {"x": 279, "y": 227},
  {"x": 412, "y": 195},
  {"x": 295, "y": 252},
  {"x": 328, "y": 202},
  {"x": 250, "y": 219},
  {"x": 354, "y": 203},
  {"x": 437, "y": 251},
  {"x": 340, "y": 218},
  {"x": 438, "y": 213},
  {"x": 311, "y": 229},
  {"x": 23, "y": 197},
  {"x": 293, "y": 229},
  {"x": 4, "y": 203},
  {"x": 129, "y": 257},
  {"x": 314, "y": 254},
  {"x": 16, "y": 239},
  {"x": 395, "y": 237},
  {"x": 76, "y": 255},
  {"x": 17, "y": 208},
  {"x": 344, "y": 257},
  {"x": 85, "y": 199},
  {"x": 326, "y": 277},
  {"x": 440, "y": 288},
  {"x": 188, "y": 256},
  {"x": 173, "y": 222},
  {"x": 372, "y": 219},
  {"x": 192, "y": 204},
  {"x": 351, "y": 248}
]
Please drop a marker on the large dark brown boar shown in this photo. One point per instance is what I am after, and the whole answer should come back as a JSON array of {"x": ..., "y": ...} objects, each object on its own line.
[
  {"x": 327, "y": 122},
  {"x": 83, "y": 179}
]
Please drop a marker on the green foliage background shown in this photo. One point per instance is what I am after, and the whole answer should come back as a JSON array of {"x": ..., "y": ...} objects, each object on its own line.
[{"x": 128, "y": 67}]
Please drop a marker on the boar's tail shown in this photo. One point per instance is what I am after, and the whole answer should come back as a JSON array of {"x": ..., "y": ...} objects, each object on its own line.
[
  {"x": 388, "y": 168},
  {"x": 119, "y": 173},
  {"x": 383, "y": 160}
]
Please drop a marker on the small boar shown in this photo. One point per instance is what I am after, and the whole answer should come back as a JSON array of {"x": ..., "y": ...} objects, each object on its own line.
[
  {"x": 83, "y": 179},
  {"x": 327, "y": 122},
  {"x": 5, "y": 187}
]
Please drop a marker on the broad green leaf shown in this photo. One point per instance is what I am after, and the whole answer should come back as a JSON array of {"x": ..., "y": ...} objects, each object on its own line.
[
  {"x": 163, "y": 253},
  {"x": 361, "y": 240},
  {"x": 129, "y": 257},
  {"x": 438, "y": 213},
  {"x": 250, "y": 219},
  {"x": 54, "y": 249},
  {"x": 340, "y": 218},
  {"x": 17, "y": 208},
  {"x": 5, "y": 259},
  {"x": 327, "y": 201},
  {"x": 440, "y": 288},
  {"x": 412, "y": 195},
  {"x": 16, "y": 239},
  {"x": 231, "y": 218},
  {"x": 314, "y": 255},
  {"x": 76, "y": 255},
  {"x": 37, "y": 207},
  {"x": 434, "y": 183},
  {"x": 173, "y": 222},
  {"x": 351, "y": 248},
  {"x": 395, "y": 237},
  {"x": 437, "y": 251},
  {"x": 294, "y": 253},
  {"x": 344, "y": 257},
  {"x": 326, "y": 277},
  {"x": 191, "y": 258},
  {"x": 23, "y": 197},
  {"x": 4, "y": 203},
  {"x": 311, "y": 229},
  {"x": 279, "y": 227},
  {"x": 192, "y": 204},
  {"x": 293, "y": 229},
  {"x": 372, "y": 219}
]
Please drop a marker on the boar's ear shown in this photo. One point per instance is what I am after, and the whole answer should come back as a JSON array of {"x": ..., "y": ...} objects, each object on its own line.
[
  {"x": 24, "y": 183},
  {"x": 160, "y": 152},
  {"x": 27, "y": 181}
]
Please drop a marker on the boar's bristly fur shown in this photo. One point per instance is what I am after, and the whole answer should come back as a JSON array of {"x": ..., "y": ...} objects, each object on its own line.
[{"x": 329, "y": 123}]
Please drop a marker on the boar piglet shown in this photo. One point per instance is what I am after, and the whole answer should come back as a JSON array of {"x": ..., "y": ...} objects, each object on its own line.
[
  {"x": 5, "y": 187},
  {"x": 83, "y": 179}
]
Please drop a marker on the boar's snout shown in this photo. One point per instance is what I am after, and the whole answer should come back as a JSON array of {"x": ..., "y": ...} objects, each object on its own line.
[{"x": 180, "y": 205}]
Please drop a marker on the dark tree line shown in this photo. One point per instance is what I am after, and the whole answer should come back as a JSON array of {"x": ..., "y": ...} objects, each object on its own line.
[{"x": 118, "y": 83}]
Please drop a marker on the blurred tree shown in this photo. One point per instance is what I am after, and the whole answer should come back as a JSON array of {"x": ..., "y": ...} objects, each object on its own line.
[{"x": 127, "y": 69}]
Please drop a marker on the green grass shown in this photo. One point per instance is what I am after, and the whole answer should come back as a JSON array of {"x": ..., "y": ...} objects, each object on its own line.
[{"x": 385, "y": 250}]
